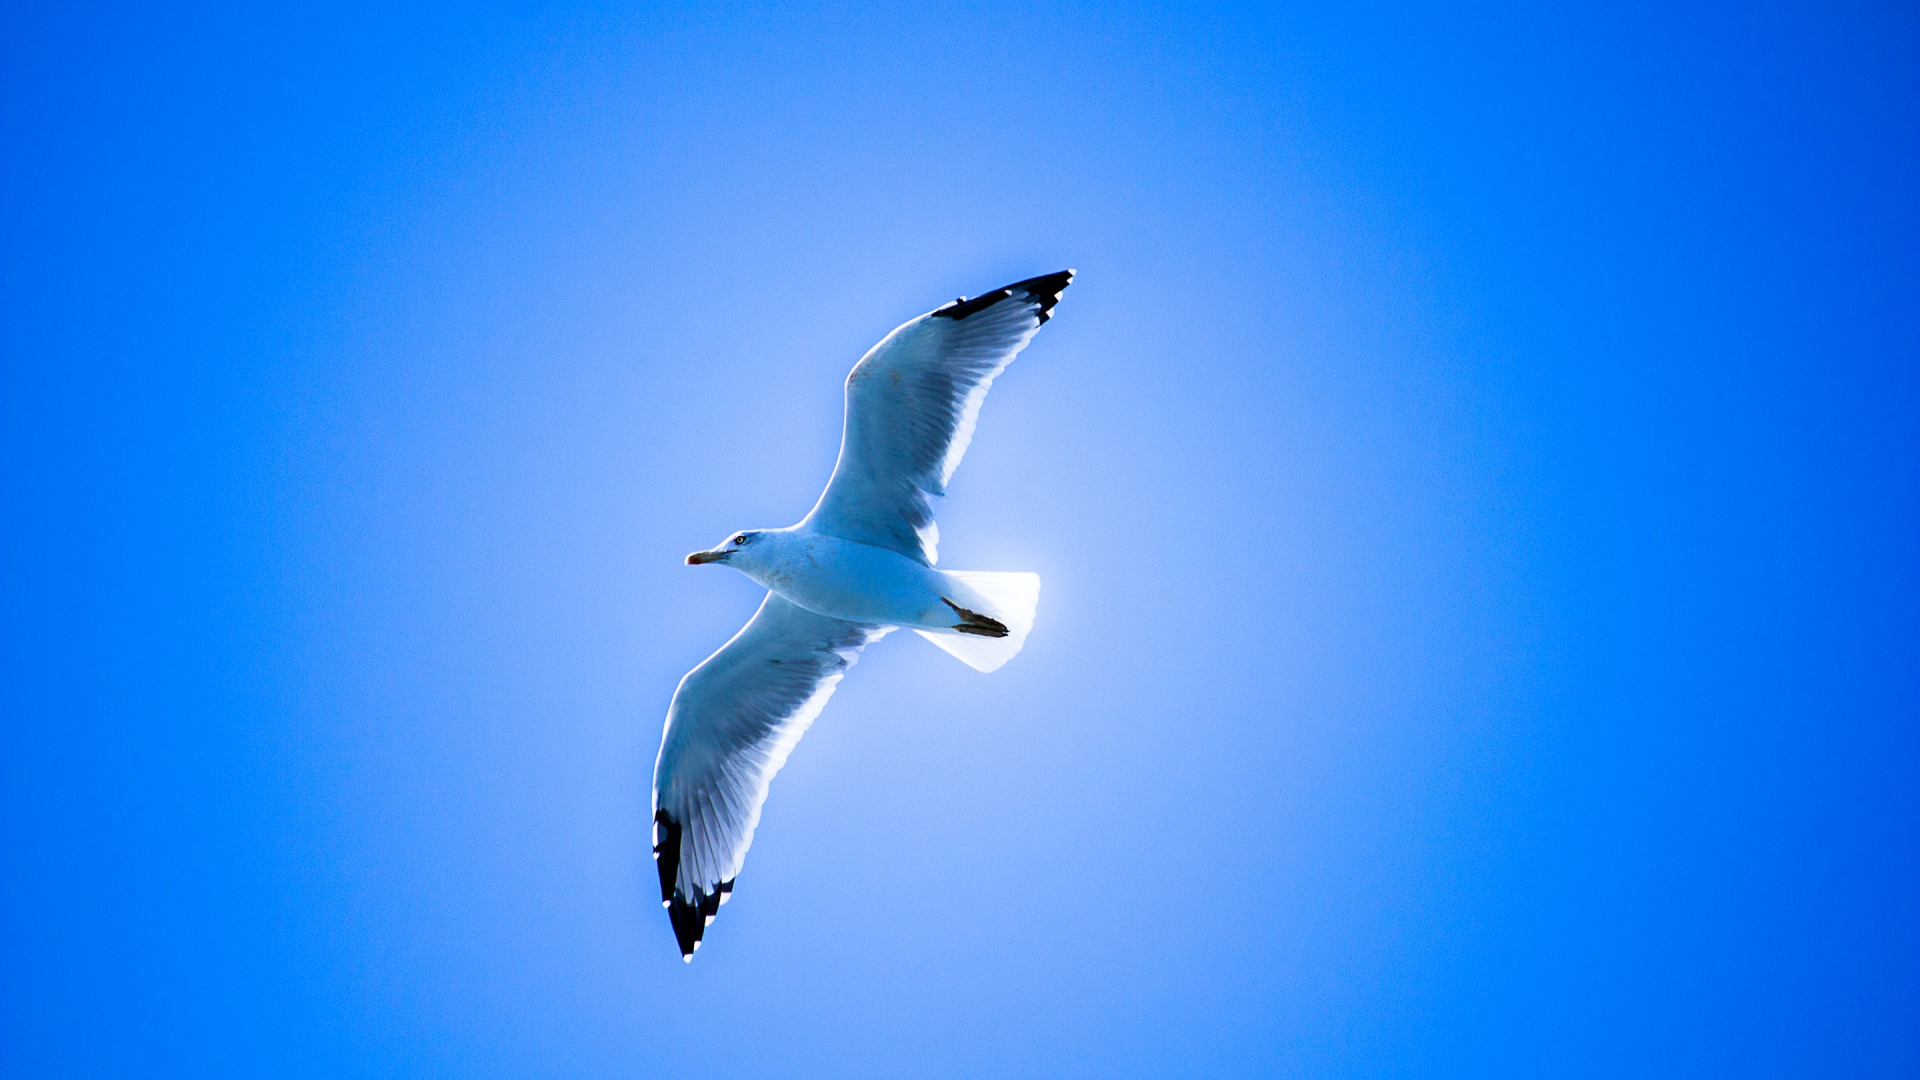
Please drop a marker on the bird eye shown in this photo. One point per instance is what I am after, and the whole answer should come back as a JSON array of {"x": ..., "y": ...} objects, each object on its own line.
[{"x": 741, "y": 539}]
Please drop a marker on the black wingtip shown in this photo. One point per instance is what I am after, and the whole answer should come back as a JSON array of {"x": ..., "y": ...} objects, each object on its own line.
[
  {"x": 1045, "y": 289},
  {"x": 688, "y": 914},
  {"x": 689, "y": 925},
  {"x": 666, "y": 853}
]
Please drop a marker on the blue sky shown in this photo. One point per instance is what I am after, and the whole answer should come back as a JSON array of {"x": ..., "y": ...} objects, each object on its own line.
[{"x": 1476, "y": 477}]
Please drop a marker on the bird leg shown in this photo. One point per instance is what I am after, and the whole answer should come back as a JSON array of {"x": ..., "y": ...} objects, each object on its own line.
[{"x": 972, "y": 622}]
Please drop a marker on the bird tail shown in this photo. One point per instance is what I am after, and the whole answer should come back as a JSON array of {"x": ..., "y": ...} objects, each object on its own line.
[{"x": 1005, "y": 600}]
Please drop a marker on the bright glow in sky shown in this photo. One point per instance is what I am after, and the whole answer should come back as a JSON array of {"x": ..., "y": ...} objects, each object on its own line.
[{"x": 1476, "y": 477}]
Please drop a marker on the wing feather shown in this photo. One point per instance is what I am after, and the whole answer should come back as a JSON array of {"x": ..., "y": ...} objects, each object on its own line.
[
  {"x": 912, "y": 403},
  {"x": 733, "y": 721}
]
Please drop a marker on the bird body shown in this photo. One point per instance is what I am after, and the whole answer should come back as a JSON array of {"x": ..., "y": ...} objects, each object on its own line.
[
  {"x": 845, "y": 579},
  {"x": 858, "y": 567},
  {"x": 861, "y": 583}
]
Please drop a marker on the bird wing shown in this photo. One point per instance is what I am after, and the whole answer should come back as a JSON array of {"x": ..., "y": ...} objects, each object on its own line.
[
  {"x": 911, "y": 406},
  {"x": 733, "y": 721}
]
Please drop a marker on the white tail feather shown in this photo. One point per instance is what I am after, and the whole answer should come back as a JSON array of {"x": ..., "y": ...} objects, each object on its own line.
[{"x": 1010, "y": 598}]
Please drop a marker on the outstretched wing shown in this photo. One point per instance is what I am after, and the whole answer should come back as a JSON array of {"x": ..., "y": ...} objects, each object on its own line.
[
  {"x": 911, "y": 406},
  {"x": 733, "y": 721}
]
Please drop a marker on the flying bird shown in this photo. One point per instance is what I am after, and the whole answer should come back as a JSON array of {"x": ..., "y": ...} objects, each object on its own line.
[{"x": 857, "y": 567}]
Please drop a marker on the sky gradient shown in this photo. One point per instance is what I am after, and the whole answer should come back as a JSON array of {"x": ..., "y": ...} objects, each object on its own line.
[{"x": 1476, "y": 477}]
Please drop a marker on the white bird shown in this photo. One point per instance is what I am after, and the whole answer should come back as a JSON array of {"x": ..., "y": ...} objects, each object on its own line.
[{"x": 857, "y": 567}]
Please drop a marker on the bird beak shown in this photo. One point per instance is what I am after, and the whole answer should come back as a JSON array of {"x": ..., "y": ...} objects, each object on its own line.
[{"x": 699, "y": 557}]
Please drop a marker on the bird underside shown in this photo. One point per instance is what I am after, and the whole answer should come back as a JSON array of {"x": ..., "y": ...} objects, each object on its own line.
[
  {"x": 972, "y": 622},
  {"x": 860, "y": 565}
]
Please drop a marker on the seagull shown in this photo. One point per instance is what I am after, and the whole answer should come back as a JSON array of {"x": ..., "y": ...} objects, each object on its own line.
[{"x": 857, "y": 567}]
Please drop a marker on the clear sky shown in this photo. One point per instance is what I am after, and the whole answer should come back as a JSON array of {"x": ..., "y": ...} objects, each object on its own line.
[{"x": 1476, "y": 477}]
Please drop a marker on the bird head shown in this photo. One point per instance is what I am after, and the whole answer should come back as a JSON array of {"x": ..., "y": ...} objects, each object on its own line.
[{"x": 725, "y": 552}]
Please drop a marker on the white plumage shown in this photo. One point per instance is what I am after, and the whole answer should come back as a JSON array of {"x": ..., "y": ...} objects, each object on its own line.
[{"x": 858, "y": 566}]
